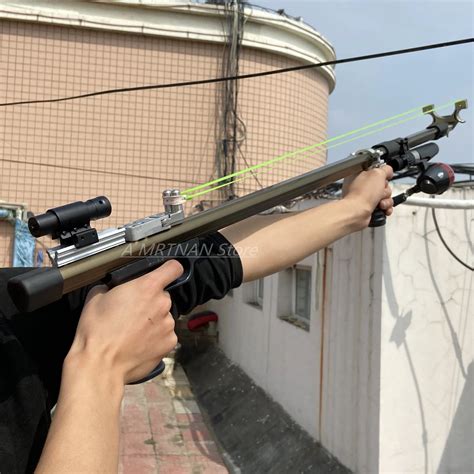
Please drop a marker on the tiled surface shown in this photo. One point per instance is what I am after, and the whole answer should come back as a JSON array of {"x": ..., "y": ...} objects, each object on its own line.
[
  {"x": 132, "y": 146},
  {"x": 162, "y": 430}
]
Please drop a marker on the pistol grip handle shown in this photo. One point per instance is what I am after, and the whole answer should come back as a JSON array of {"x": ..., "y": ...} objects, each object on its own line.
[
  {"x": 378, "y": 218},
  {"x": 139, "y": 268}
]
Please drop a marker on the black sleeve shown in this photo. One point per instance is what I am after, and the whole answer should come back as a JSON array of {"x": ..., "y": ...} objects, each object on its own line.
[
  {"x": 217, "y": 269},
  {"x": 33, "y": 347},
  {"x": 46, "y": 334}
]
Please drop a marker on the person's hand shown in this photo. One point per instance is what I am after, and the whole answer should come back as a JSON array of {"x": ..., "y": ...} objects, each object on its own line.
[
  {"x": 127, "y": 330},
  {"x": 369, "y": 189}
]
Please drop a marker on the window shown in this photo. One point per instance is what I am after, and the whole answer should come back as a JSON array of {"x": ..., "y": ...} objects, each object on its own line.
[
  {"x": 253, "y": 292},
  {"x": 302, "y": 293},
  {"x": 298, "y": 292}
]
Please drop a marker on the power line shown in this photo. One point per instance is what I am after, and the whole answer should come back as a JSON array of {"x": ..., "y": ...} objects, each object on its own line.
[{"x": 247, "y": 76}]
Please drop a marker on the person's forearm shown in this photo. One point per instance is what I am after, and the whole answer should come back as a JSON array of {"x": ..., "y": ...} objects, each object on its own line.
[
  {"x": 84, "y": 434},
  {"x": 268, "y": 244}
]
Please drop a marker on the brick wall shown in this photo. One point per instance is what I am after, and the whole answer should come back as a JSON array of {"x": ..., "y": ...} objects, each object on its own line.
[{"x": 131, "y": 146}]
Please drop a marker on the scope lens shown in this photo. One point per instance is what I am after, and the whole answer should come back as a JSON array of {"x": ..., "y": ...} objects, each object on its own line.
[{"x": 43, "y": 224}]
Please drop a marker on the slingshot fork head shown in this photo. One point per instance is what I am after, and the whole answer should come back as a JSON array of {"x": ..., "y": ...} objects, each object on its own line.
[{"x": 449, "y": 121}]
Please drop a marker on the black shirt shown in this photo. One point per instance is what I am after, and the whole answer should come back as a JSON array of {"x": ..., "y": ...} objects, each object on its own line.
[{"x": 34, "y": 345}]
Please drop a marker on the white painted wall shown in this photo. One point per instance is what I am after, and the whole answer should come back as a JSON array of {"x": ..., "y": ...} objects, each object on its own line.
[
  {"x": 351, "y": 365},
  {"x": 384, "y": 378},
  {"x": 280, "y": 357},
  {"x": 427, "y": 341}
]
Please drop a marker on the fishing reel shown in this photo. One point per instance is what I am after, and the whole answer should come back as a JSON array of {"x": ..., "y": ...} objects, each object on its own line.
[{"x": 435, "y": 178}]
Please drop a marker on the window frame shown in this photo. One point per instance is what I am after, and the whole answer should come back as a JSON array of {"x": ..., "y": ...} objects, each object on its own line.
[
  {"x": 252, "y": 294},
  {"x": 294, "y": 313},
  {"x": 286, "y": 292},
  {"x": 259, "y": 296}
]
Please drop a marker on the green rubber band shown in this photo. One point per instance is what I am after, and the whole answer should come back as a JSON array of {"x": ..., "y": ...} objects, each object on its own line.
[
  {"x": 272, "y": 163},
  {"x": 305, "y": 149}
]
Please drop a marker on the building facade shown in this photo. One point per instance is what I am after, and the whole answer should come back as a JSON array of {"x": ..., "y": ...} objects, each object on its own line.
[{"x": 130, "y": 146}]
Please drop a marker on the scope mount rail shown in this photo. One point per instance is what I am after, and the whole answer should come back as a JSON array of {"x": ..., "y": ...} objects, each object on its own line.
[{"x": 137, "y": 230}]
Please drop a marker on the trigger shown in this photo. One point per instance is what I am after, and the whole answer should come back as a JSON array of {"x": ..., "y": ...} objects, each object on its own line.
[{"x": 188, "y": 266}]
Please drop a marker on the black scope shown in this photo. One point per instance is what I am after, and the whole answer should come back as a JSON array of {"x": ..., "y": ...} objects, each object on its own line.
[{"x": 69, "y": 217}]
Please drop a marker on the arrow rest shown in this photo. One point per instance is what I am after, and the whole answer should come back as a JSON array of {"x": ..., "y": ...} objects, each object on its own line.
[{"x": 445, "y": 123}]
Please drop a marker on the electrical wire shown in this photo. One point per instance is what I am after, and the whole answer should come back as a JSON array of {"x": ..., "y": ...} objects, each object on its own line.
[
  {"x": 247, "y": 76},
  {"x": 90, "y": 170},
  {"x": 232, "y": 130},
  {"x": 463, "y": 168},
  {"x": 252, "y": 172},
  {"x": 433, "y": 213}
]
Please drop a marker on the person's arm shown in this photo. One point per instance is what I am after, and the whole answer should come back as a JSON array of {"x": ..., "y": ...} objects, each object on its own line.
[
  {"x": 121, "y": 336},
  {"x": 268, "y": 244}
]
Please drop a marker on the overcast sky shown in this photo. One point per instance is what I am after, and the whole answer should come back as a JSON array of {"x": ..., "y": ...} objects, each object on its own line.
[{"x": 371, "y": 90}]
